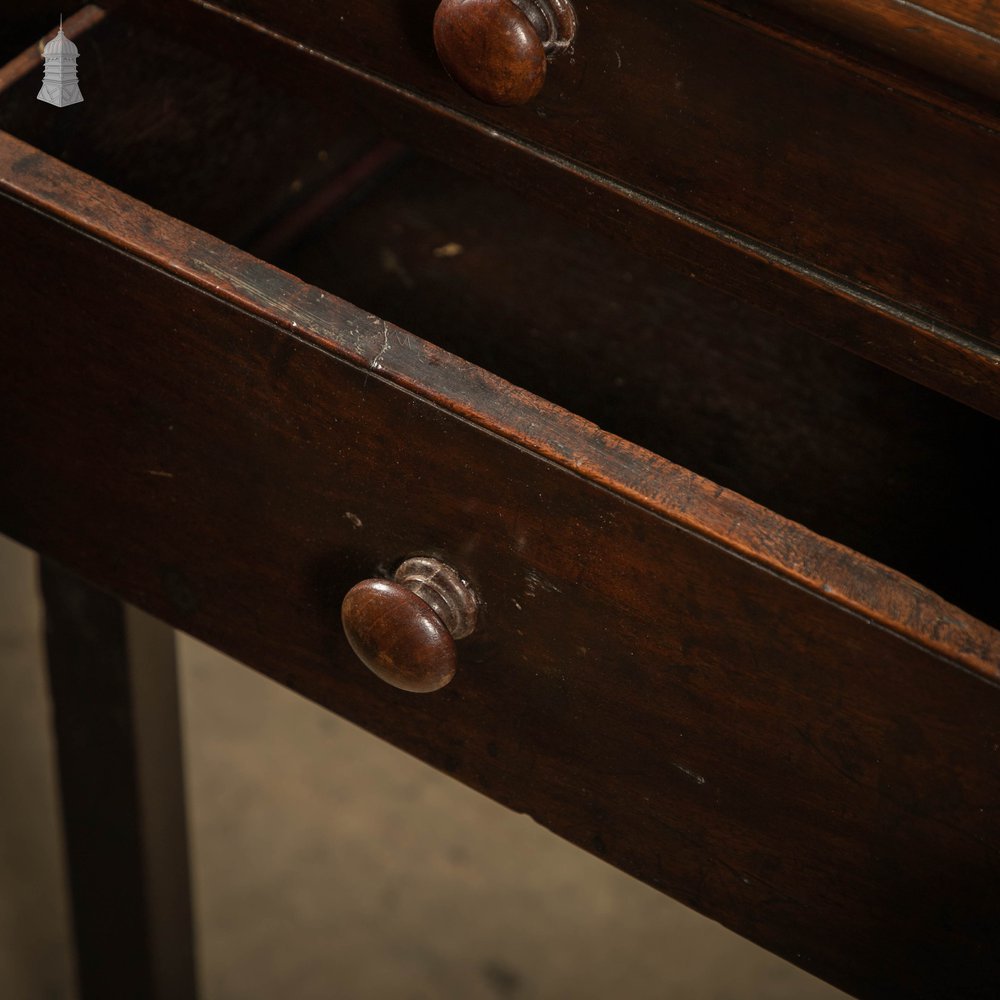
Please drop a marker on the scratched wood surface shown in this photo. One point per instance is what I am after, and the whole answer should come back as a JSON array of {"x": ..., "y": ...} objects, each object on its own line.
[
  {"x": 867, "y": 208},
  {"x": 879, "y": 464},
  {"x": 874, "y": 461},
  {"x": 778, "y": 732}
]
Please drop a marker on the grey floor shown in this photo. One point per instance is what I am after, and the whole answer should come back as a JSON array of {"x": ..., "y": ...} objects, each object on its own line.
[{"x": 328, "y": 864}]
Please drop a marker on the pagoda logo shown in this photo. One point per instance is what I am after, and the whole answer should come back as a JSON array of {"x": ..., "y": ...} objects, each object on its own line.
[{"x": 59, "y": 85}]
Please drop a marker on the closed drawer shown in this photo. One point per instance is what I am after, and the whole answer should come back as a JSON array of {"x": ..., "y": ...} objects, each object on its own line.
[
  {"x": 766, "y": 724},
  {"x": 859, "y": 201}
]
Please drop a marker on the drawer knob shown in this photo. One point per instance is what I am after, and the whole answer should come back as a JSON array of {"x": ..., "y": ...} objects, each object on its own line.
[
  {"x": 404, "y": 629},
  {"x": 498, "y": 49}
]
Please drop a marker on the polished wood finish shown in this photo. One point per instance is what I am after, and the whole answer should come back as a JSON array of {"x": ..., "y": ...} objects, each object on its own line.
[
  {"x": 727, "y": 391},
  {"x": 720, "y": 141},
  {"x": 775, "y": 730},
  {"x": 113, "y": 682},
  {"x": 491, "y": 49},
  {"x": 497, "y": 49},
  {"x": 398, "y": 637},
  {"x": 859, "y": 455},
  {"x": 404, "y": 629},
  {"x": 960, "y": 39}
]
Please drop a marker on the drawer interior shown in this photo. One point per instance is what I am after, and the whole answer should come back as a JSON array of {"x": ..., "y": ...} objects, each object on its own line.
[
  {"x": 849, "y": 449},
  {"x": 854, "y": 452}
]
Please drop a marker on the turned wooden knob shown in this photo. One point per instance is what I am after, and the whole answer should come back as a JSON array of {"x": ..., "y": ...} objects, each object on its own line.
[
  {"x": 404, "y": 629},
  {"x": 498, "y": 49}
]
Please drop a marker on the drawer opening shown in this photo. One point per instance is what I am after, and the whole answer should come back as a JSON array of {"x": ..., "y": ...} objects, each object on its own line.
[{"x": 851, "y": 450}]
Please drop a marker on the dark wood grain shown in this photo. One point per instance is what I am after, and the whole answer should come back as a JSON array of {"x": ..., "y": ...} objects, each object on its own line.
[
  {"x": 37, "y": 180},
  {"x": 854, "y": 452},
  {"x": 490, "y": 48},
  {"x": 767, "y": 726},
  {"x": 398, "y": 636},
  {"x": 845, "y": 205},
  {"x": 113, "y": 681},
  {"x": 736, "y": 126},
  {"x": 240, "y": 184},
  {"x": 959, "y": 39}
]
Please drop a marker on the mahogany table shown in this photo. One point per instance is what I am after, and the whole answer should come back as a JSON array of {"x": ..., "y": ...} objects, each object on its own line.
[{"x": 595, "y": 400}]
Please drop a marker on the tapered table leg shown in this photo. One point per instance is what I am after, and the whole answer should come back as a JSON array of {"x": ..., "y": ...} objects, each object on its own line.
[{"x": 113, "y": 681}]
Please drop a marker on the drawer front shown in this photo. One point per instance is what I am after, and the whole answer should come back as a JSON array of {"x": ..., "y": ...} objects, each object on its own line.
[
  {"x": 770, "y": 728},
  {"x": 956, "y": 39},
  {"x": 860, "y": 181}
]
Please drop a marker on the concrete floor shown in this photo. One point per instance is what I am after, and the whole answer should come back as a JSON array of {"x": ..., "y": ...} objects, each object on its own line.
[{"x": 327, "y": 864}]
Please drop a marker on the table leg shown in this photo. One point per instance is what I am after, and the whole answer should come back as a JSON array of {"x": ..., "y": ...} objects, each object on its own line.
[{"x": 113, "y": 682}]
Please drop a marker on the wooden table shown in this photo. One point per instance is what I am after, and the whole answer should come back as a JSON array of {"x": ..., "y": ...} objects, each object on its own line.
[{"x": 703, "y": 424}]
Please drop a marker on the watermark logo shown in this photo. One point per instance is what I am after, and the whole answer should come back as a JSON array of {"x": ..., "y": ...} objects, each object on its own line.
[{"x": 59, "y": 85}]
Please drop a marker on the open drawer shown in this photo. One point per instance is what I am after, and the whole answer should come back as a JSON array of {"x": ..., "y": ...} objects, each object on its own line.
[
  {"x": 851, "y": 194},
  {"x": 761, "y": 721}
]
